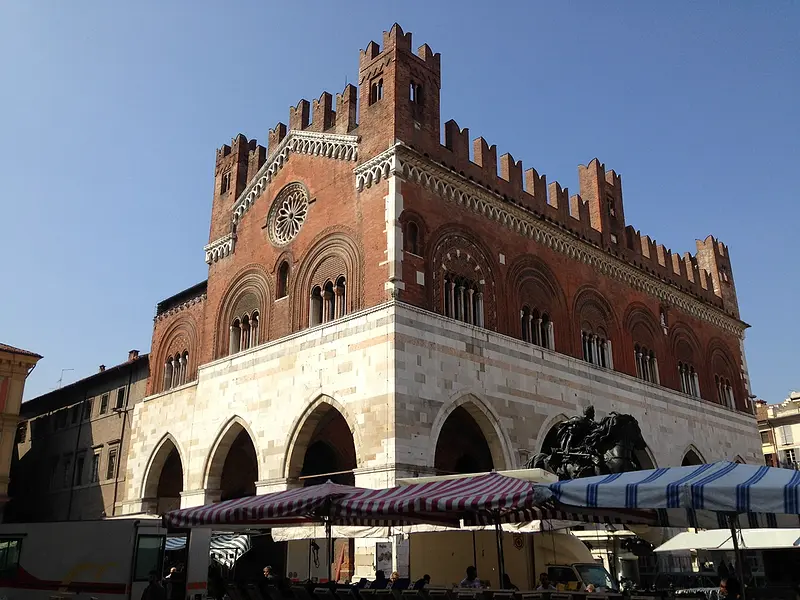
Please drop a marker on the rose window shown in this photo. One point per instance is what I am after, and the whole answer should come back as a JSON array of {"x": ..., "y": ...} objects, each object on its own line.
[{"x": 288, "y": 213}]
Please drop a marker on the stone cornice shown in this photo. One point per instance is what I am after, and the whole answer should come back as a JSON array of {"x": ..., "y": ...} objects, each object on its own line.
[
  {"x": 409, "y": 165},
  {"x": 220, "y": 248},
  {"x": 329, "y": 145},
  {"x": 180, "y": 307}
]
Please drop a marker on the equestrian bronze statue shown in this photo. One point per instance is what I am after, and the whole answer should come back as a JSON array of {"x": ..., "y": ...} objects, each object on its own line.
[{"x": 585, "y": 447}]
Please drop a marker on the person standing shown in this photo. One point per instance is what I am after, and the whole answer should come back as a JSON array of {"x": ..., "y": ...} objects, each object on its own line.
[
  {"x": 154, "y": 590},
  {"x": 544, "y": 583},
  {"x": 421, "y": 583}
]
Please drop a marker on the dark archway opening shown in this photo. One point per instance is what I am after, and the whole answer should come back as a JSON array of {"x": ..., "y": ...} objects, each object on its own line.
[
  {"x": 331, "y": 453},
  {"x": 170, "y": 483},
  {"x": 240, "y": 471},
  {"x": 691, "y": 459},
  {"x": 462, "y": 447}
]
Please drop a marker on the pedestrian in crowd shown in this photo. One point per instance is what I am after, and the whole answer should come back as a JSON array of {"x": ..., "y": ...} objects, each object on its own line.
[
  {"x": 471, "y": 580},
  {"x": 730, "y": 588},
  {"x": 393, "y": 579},
  {"x": 544, "y": 583},
  {"x": 422, "y": 583},
  {"x": 154, "y": 589},
  {"x": 268, "y": 574},
  {"x": 507, "y": 585},
  {"x": 380, "y": 581}
]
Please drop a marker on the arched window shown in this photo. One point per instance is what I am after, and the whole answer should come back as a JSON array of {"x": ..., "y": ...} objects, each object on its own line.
[
  {"x": 254, "y": 322},
  {"x": 376, "y": 91},
  {"x": 341, "y": 297},
  {"x": 236, "y": 337},
  {"x": 537, "y": 328},
  {"x": 724, "y": 392},
  {"x": 176, "y": 368},
  {"x": 463, "y": 300},
  {"x": 415, "y": 93},
  {"x": 245, "y": 343},
  {"x": 315, "y": 310},
  {"x": 412, "y": 238},
  {"x": 597, "y": 349},
  {"x": 283, "y": 280},
  {"x": 328, "y": 302},
  {"x": 690, "y": 383},
  {"x": 646, "y": 364}
]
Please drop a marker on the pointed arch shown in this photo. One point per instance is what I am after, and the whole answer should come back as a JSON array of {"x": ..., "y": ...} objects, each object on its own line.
[
  {"x": 591, "y": 310},
  {"x": 487, "y": 420},
  {"x": 692, "y": 456},
  {"x": 249, "y": 293},
  {"x": 333, "y": 256},
  {"x": 547, "y": 432},
  {"x": 226, "y": 436},
  {"x": 305, "y": 426},
  {"x": 155, "y": 466},
  {"x": 534, "y": 291}
]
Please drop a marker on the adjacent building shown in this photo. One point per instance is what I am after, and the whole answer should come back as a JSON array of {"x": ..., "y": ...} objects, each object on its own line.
[
  {"x": 15, "y": 366},
  {"x": 380, "y": 304},
  {"x": 72, "y": 445},
  {"x": 779, "y": 427}
]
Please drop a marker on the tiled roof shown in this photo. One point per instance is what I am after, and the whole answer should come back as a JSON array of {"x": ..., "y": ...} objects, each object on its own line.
[{"x": 7, "y": 348}]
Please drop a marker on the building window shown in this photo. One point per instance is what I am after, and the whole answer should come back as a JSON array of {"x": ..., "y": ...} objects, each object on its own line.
[
  {"x": 76, "y": 413},
  {"x": 463, "y": 300},
  {"x": 283, "y": 280},
  {"x": 646, "y": 365},
  {"x": 328, "y": 302},
  {"x": 67, "y": 472},
  {"x": 612, "y": 211},
  {"x": 9, "y": 557},
  {"x": 121, "y": 391},
  {"x": 175, "y": 374},
  {"x": 596, "y": 349},
  {"x": 415, "y": 93},
  {"x": 690, "y": 384},
  {"x": 226, "y": 182},
  {"x": 724, "y": 392},
  {"x": 111, "y": 468},
  {"x": 765, "y": 437},
  {"x": 104, "y": 404},
  {"x": 376, "y": 91},
  {"x": 61, "y": 419},
  {"x": 87, "y": 409},
  {"x": 79, "y": 464},
  {"x": 22, "y": 432},
  {"x": 786, "y": 435},
  {"x": 53, "y": 473},
  {"x": 244, "y": 333},
  {"x": 790, "y": 458},
  {"x": 95, "y": 468},
  {"x": 537, "y": 328},
  {"x": 411, "y": 238}
]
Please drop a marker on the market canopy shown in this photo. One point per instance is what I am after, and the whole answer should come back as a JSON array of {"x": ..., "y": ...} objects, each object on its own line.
[
  {"x": 695, "y": 496},
  {"x": 722, "y": 539},
  {"x": 300, "y": 506}
]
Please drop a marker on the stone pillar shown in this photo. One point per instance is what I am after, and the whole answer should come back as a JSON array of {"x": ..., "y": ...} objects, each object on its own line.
[
  {"x": 233, "y": 345},
  {"x": 551, "y": 338},
  {"x": 459, "y": 314},
  {"x": 254, "y": 330},
  {"x": 167, "y": 375},
  {"x": 655, "y": 371},
  {"x": 199, "y": 497},
  {"x": 181, "y": 370},
  {"x": 469, "y": 316},
  {"x": 537, "y": 338},
  {"x": 340, "y": 312},
  {"x": 609, "y": 355},
  {"x": 327, "y": 304},
  {"x": 480, "y": 310}
]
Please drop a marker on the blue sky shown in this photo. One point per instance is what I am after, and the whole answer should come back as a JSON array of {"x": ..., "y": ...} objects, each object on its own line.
[{"x": 111, "y": 113}]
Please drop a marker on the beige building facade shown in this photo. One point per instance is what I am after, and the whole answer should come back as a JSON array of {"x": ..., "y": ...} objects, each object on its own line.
[
  {"x": 72, "y": 446},
  {"x": 779, "y": 427},
  {"x": 15, "y": 366}
]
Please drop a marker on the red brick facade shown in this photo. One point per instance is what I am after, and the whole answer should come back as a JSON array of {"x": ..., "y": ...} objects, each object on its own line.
[{"x": 522, "y": 245}]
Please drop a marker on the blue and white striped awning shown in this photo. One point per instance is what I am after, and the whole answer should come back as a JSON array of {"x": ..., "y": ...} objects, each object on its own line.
[
  {"x": 225, "y": 548},
  {"x": 704, "y": 495}
]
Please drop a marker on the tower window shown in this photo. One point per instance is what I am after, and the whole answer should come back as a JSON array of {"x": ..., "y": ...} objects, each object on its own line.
[
  {"x": 328, "y": 302},
  {"x": 283, "y": 280},
  {"x": 376, "y": 91},
  {"x": 412, "y": 238},
  {"x": 415, "y": 93},
  {"x": 226, "y": 182},
  {"x": 690, "y": 383},
  {"x": 612, "y": 211},
  {"x": 596, "y": 349},
  {"x": 646, "y": 364},
  {"x": 463, "y": 300}
]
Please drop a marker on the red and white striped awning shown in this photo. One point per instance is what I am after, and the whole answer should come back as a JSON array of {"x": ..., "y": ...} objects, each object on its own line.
[
  {"x": 457, "y": 497},
  {"x": 298, "y": 506}
]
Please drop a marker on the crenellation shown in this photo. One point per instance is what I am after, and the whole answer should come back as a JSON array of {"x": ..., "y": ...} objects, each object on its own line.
[
  {"x": 369, "y": 54},
  {"x": 485, "y": 157},
  {"x": 395, "y": 38},
  {"x": 323, "y": 115},
  {"x": 433, "y": 60},
  {"x": 257, "y": 157},
  {"x": 457, "y": 141},
  {"x": 299, "y": 115},
  {"x": 276, "y": 135},
  {"x": 346, "y": 110},
  {"x": 511, "y": 171},
  {"x": 558, "y": 199},
  {"x": 536, "y": 187}
]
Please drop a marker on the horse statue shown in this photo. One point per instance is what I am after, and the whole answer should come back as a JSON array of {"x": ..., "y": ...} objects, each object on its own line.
[{"x": 585, "y": 447}]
